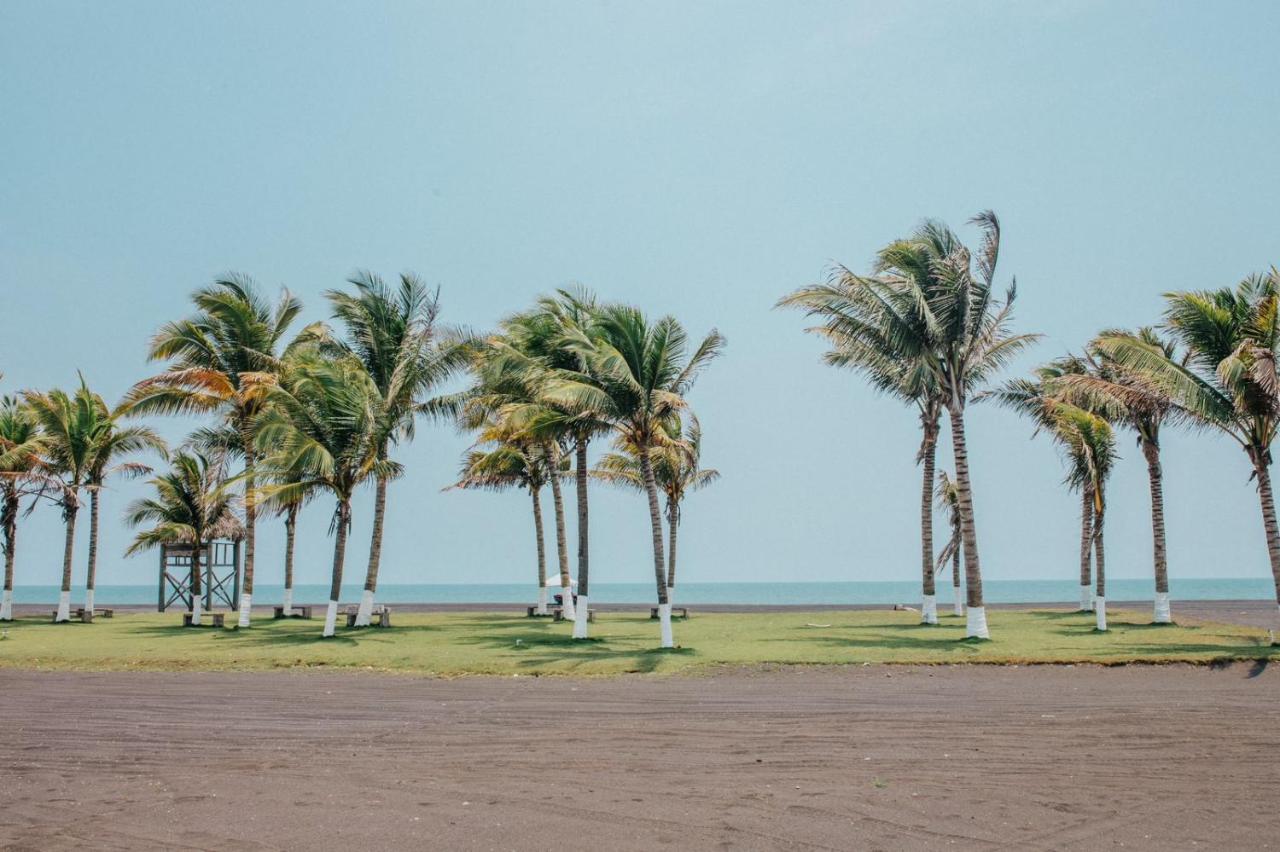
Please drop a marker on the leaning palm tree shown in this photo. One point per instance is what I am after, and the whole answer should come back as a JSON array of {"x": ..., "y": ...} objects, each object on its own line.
[
  {"x": 71, "y": 426},
  {"x": 949, "y": 499},
  {"x": 512, "y": 464},
  {"x": 113, "y": 442},
  {"x": 21, "y": 474},
  {"x": 323, "y": 421},
  {"x": 396, "y": 335},
  {"x": 223, "y": 359},
  {"x": 634, "y": 376},
  {"x": 1092, "y": 446},
  {"x": 1228, "y": 381},
  {"x": 1131, "y": 400},
  {"x": 678, "y": 472},
  {"x": 193, "y": 504}
]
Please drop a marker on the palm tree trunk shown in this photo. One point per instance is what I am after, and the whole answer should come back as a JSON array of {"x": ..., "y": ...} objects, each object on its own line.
[
  {"x": 583, "y": 612},
  {"x": 673, "y": 528},
  {"x": 9, "y": 514},
  {"x": 1100, "y": 601},
  {"x": 536, "y": 494},
  {"x": 976, "y": 627},
  {"x": 339, "y": 556},
  {"x": 1086, "y": 549},
  {"x": 659, "y": 572},
  {"x": 928, "y": 457},
  {"x": 91, "y": 579},
  {"x": 1155, "y": 476},
  {"x": 562, "y": 546},
  {"x": 290, "y": 535},
  {"x": 250, "y": 530},
  {"x": 364, "y": 615},
  {"x": 68, "y": 550},
  {"x": 196, "y": 599},
  {"x": 1262, "y": 467},
  {"x": 957, "y": 602}
]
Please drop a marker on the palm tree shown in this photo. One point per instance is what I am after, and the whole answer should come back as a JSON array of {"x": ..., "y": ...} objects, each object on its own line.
[
  {"x": 192, "y": 505},
  {"x": 512, "y": 464},
  {"x": 223, "y": 359},
  {"x": 1131, "y": 400},
  {"x": 114, "y": 440},
  {"x": 71, "y": 428},
  {"x": 948, "y": 497},
  {"x": 395, "y": 335},
  {"x": 893, "y": 350},
  {"x": 1092, "y": 446},
  {"x": 678, "y": 472},
  {"x": 21, "y": 474},
  {"x": 1228, "y": 379},
  {"x": 634, "y": 376},
  {"x": 324, "y": 423}
]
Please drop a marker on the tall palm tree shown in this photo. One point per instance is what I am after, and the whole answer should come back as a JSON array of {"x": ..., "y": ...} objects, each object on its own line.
[
  {"x": 678, "y": 472},
  {"x": 512, "y": 464},
  {"x": 1131, "y": 400},
  {"x": 324, "y": 423},
  {"x": 634, "y": 376},
  {"x": 1092, "y": 445},
  {"x": 192, "y": 505},
  {"x": 71, "y": 426},
  {"x": 893, "y": 350},
  {"x": 21, "y": 474},
  {"x": 1228, "y": 379},
  {"x": 949, "y": 499},
  {"x": 223, "y": 359},
  {"x": 114, "y": 441},
  {"x": 395, "y": 334}
]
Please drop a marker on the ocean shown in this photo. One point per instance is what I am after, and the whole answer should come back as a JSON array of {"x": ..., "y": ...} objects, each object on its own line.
[{"x": 878, "y": 592}]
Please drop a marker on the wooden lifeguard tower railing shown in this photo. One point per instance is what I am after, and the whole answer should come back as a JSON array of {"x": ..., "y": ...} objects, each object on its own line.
[{"x": 219, "y": 565}]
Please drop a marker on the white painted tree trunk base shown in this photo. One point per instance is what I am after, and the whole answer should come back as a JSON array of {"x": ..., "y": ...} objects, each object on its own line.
[
  {"x": 195, "y": 611},
  {"x": 1100, "y": 607},
  {"x": 1086, "y": 599},
  {"x": 542, "y": 600},
  {"x": 246, "y": 601},
  {"x": 88, "y": 601},
  {"x": 976, "y": 626},
  {"x": 566, "y": 596},
  {"x": 6, "y": 605},
  {"x": 671, "y": 595},
  {"x": 957, "y": 605},
  {"x": 664, "y": 619},
  {"x": 364, "y": 613},
  {"x": 330, "y": 618},
  {"x": 64, "y": 607},
  {"x": 580, "y": 628},
  {"x": 288, "y": 601},
  {"x": 1164, "y": 613},
  {"x": 929, "y": 610}
]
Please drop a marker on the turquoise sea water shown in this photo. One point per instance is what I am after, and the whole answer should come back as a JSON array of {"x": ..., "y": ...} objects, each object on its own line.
[{"x": 996, "y": 591}]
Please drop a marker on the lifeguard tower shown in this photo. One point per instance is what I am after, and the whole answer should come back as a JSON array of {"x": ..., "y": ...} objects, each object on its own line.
[{"x": 219, "y": 565}]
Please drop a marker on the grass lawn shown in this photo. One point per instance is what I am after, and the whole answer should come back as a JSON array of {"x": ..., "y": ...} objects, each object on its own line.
[{"x": 505, "y": 644}]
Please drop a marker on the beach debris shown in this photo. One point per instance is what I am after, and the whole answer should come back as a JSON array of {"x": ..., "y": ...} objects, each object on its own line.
[{"x": 904, "y": 608}]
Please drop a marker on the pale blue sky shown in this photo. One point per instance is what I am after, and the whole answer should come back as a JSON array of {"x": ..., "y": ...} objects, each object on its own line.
[{"x": 694, "y": 158}]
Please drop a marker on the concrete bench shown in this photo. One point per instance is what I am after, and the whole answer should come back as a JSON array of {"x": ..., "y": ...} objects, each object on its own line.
[
  {"x": 294, "y": 612},
  {"x": 380, "y": 617},
  {"x": 533, "y": 613},
  {"x": 558, "y": 614},
  {"x": 676, "y": 612},
  {"x": 80, "y": 615},
  {"x": 207, "y": 619}
]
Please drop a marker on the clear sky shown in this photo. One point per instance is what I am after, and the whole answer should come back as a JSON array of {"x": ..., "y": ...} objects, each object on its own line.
[{"x": 694, "y": 158}]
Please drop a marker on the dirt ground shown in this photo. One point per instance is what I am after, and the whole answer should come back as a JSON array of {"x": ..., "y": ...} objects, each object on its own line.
[{"x": 1086, "y": 758}]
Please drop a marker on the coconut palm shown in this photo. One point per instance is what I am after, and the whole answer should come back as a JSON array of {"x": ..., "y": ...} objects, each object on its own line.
[
  {"x": 1227, "y": 380},
  {"x": 193, "y": 504},
  {"x": 114, "y": 441},
  {"x": 223, "y": 359},
  {"x": 323, "y": 423},
  {"x": 948, "y": 497},
  {"x": 21, "y": 474},
  {"x": 395, "y": 333},
  {"x": 634, "y": 375},
  {"x": 1129, "y": 399},
  {"x": 678, "y": 472},
  {"x": 71, "y": 427},
  {"x": 498, "y": 466},
  {"x": 1092, "y": 446}
]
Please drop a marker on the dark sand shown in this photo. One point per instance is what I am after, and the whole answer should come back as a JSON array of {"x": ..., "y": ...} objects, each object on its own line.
[{"x": 1140, "y": 757}]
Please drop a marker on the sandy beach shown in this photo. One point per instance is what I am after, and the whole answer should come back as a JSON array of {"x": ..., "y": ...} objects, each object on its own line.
[{"x": 875, "y": 757}]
